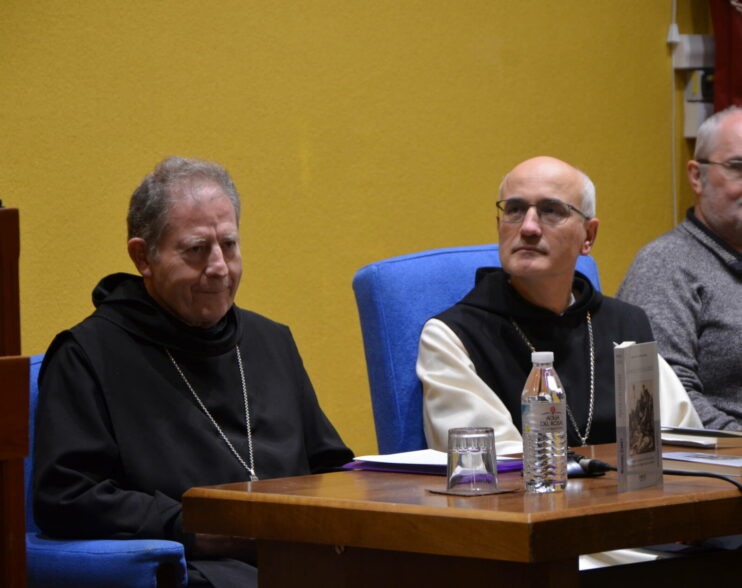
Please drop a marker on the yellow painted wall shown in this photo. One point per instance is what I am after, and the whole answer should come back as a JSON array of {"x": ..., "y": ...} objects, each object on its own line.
[{"x": 355, "y": 131}]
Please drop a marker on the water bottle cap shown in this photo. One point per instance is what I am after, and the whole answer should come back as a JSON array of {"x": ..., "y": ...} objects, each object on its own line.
[{"x": 542, "y": 357}]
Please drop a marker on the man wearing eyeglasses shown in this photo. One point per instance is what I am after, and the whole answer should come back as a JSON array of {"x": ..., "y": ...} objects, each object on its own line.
[
  {"x": 474, "y": 357},
  {"x": 689, "y": 280}
]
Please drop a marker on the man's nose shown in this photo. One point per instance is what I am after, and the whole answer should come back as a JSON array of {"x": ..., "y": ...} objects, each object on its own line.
[
  {"x": 531, "y": 224},
  {"x": 216, "y": 265}
]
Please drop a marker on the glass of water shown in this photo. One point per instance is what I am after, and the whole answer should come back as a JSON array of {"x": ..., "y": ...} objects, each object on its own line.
[{"x": 472, "y": 461}]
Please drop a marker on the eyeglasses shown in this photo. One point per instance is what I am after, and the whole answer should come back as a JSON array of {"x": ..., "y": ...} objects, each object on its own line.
[
  {"x": 551, "y": 212},
  {"x": 733, "y": 166}
]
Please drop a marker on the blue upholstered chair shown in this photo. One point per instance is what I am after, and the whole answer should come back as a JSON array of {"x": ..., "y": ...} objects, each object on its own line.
[
  {"x": 395, "y": 297},
  {"x": 125, "y": 563}
]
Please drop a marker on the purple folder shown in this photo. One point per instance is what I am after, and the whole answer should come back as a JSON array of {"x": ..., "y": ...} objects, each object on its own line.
[{"x": 509, "y": 465}]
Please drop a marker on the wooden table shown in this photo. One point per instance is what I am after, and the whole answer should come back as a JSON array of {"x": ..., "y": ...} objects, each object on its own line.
[{"x": 361, "y": 528}]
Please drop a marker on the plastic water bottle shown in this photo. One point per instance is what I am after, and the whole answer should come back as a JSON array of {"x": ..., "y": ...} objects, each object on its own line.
[{"x": 544, "y": 413}]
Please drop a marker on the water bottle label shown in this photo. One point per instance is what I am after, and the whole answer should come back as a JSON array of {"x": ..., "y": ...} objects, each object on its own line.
[{"x": 544, "y": 417}]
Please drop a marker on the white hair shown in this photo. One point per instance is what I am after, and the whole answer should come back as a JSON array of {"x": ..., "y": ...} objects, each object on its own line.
[
  {"x": 588, "y": 195},
  {"x": 706, "y": 135}
]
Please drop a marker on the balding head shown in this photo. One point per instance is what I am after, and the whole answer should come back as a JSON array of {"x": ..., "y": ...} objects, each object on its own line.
[{"x": 563, "y": 180}]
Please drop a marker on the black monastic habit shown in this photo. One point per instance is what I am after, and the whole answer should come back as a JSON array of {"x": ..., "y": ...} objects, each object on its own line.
[
  {"x": 120, "y": 437},
  {"x": 483, "y": 321}
]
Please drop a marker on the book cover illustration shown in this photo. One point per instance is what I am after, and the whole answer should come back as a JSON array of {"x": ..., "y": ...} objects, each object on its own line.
[{"x": 641, "y": 418}]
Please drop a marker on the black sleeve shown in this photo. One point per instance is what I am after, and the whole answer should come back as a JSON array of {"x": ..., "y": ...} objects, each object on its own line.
[{"x": 77, "y": 470}]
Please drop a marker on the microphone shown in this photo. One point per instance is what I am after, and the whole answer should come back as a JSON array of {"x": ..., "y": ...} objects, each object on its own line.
[
  {"x": 584, "y": 466},
  {"x": 595, "y": 466}
]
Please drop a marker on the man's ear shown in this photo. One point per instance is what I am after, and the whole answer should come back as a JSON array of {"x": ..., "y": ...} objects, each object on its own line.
[
  {"x": 591, "y": 234},
  {"x": 694, "y": 176},
  {"x": 139, "y": 254}
]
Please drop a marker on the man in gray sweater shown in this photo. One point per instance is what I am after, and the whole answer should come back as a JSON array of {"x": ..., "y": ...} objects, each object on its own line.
[{"x": 689, "y": 280}]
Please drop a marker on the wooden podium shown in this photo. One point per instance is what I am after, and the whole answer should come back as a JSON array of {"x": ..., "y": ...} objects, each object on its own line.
[
  {"x": 14, "y": 415},
  {"x": 10, "y": 307},
  {"x": 13, "y": 448}
]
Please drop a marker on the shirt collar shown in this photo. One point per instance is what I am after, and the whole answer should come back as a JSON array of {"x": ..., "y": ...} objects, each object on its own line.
[{"x": 733, "y": 258}]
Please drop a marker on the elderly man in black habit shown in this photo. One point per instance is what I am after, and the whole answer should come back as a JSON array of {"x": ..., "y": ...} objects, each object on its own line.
[{"x": 169, "y": 385}]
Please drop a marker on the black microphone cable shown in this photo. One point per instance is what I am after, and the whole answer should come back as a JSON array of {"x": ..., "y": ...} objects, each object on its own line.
[
  {"x": 704, "y": 475},
  {"x": 595, "y": 466}
]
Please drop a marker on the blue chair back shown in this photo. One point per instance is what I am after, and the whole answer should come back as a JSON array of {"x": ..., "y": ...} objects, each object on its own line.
[
  {"x": 395, "y": 298},
  {"x": 33, "y": 397},
  {"x": 114, "y": 563}
]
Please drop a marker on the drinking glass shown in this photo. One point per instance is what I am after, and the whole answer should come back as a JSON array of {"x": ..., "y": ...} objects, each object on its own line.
[{"x": 472, "y": 461}]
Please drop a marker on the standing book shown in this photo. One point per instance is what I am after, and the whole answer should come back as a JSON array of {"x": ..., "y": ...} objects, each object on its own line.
[{"x": 637, "y": 416}]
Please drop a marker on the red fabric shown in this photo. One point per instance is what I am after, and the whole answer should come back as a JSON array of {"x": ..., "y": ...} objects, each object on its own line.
[{"x": 728, "y": 71}]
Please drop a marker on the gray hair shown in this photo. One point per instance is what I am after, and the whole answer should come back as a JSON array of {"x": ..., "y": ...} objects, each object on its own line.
[
  {"x": 706, "y": 135},
  {"x": 588, "y": 193},
  {"x": 151, "y": 202}
]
